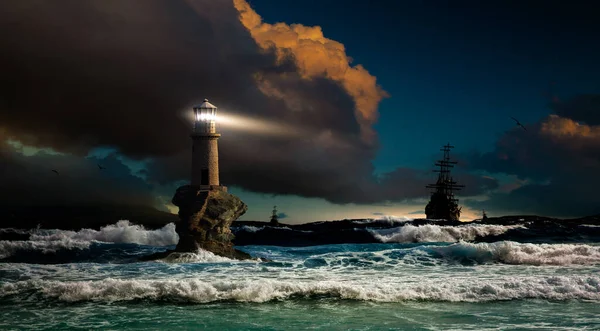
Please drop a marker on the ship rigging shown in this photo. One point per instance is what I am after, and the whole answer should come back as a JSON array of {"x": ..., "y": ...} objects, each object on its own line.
[{"x": 443, "y": 204}]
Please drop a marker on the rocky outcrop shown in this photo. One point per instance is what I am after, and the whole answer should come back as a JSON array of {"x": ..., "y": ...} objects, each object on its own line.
[{"x": 205, "y": 218}]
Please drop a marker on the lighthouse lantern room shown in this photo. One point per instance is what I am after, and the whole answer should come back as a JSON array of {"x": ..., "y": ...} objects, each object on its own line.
[{"x": 205, "y": 116}]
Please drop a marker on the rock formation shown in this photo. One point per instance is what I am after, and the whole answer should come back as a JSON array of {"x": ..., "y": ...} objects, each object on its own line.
[{"x": 205, "y": 218}]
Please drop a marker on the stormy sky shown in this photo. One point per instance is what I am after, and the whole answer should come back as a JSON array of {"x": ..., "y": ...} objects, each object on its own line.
[{"x": 337, "y": 112}]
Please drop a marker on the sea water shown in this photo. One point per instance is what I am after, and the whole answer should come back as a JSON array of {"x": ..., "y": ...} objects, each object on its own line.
[{"x": 62, "y": 280}]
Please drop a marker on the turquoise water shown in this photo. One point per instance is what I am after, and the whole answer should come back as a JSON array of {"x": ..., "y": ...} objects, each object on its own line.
[
  {"x": 392, "y": 286},
  {"x": 319, "y": 314}
]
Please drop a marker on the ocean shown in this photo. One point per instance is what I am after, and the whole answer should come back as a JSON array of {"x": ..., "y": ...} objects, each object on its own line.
[{"x": 426, "y": 277}]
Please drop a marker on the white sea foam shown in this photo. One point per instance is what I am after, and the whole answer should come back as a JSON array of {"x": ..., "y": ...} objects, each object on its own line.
[
  {"x": 8, "y": 248},
  {"x": 12, "y": 230},
  {"x": 530, "y": 254},
  {"x": 121, "y": 232},
  {"x": 199, "y": 256},
  {"x": 49, "y": 241},
  {"x": 385, "y": 219},
  {"x": 249, "y": 228},
  {"x": 198, "y": 290},
  {"x": 436, "y": 233}
]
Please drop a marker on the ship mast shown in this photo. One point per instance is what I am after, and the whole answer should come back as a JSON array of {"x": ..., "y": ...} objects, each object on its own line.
[
  {"x": 445, "y": 184},
  {"x": 443, "y": 204}
]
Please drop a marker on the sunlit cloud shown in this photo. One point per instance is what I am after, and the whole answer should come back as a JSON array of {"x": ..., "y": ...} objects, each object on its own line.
[{"x": 316, "y": 56}]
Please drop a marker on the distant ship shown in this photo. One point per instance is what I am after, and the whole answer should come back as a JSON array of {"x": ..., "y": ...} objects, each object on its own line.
[
  {"x": 274, "y": 217},
  {"x": 442, "y": 204}
]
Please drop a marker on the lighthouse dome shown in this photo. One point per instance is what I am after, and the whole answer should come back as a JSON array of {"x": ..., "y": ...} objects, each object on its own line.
[{"x": 206, "y": 105}]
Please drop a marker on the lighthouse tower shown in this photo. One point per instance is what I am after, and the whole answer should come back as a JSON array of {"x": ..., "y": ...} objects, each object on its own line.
[{"x": 205, "y": 152}]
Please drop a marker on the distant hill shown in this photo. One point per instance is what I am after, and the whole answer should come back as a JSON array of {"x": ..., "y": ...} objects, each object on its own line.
[
  {"x": 81, "y": 216},
  {"x": 525, "y": 228}
]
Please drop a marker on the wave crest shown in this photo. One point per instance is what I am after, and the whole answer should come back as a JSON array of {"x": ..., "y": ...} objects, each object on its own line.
[
  {"x": 51, "y": 241},
  {"x": 195, "y": 290},
  {"x": 121, "y": 232},
  {"x": 199, "y": 256},
  {"x": 435, "y": 233},
  {"x": 9, "y": 248},
  {"x": 516, "y": 253}
]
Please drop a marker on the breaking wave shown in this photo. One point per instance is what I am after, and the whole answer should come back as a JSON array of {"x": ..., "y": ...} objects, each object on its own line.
[
  {"x": 121, "y": 232},
  {"x": 264, "y": 290},
  {"x": 248, "y": 228},
  {"x": 436, "y": 233},
  {"x": 391, "y": 220},
  {"x": 200, "y": 256},
  {"x": 516, "y": 253},
  {"x": 8, "y": 248},
  {"x": 51, "y": 241}
]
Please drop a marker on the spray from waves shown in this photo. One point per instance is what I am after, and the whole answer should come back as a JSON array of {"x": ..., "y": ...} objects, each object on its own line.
[
  {"x": 264, "y": 290},
  {"x": 51, "y": 241},
  {"x": 121, "y": 232},
  {"x": 9, "y": 248},
  {"x": 12, "y": 230},
  {"x": 391, "y": 220},
  {"x": 516, "y": 253},
  {"x": 248, "y": 228},
  {"x": 198, "y": 257},
  {"x": 435, "y": 233}
]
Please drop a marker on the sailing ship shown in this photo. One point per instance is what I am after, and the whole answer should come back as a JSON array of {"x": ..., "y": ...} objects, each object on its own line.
[
  {"x": 274, "y": 217},
  {"x": 443, "y": 204}
]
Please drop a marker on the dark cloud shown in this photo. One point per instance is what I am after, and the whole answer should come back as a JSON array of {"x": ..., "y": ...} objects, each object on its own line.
[
  {"x": 582, "y": 108},
  {"x": 378, "y": 214},
  {"x": 80, "y": 74},
  {"x": 404, "y": 183},
  {"x": 282, "y": 216},
  {"x": 557, "y": 198},
  {"x": 556, "y": 162},
  {"x": 124, "y": 74},
  {"x": 29, "y": 180}
]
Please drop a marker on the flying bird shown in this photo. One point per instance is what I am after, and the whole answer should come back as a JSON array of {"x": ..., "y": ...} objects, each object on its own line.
[
  {"x": 55, "y": 171},
  {"x": 100, "y": 167},
  {"x": 519, "y": 123}
]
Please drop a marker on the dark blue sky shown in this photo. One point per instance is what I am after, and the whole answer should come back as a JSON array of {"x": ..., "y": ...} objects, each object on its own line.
[{"x": 456, "y": 70}]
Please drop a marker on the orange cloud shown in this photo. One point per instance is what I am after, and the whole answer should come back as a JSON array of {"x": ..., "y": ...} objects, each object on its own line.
[
  {"x": 565, "y": 128},
  {"x": 317, "y": 56},
  {"x": 579, "y": 139}
]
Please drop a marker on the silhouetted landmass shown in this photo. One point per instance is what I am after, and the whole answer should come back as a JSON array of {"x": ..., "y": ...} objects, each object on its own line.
[
  {"x": 82, "y": 216},
  {"x": 538, "y": 229},
  {"x": 534, "y": 229}
]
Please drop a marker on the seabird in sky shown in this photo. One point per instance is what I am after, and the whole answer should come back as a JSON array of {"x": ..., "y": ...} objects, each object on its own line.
[{"x": 519, "y": 123}]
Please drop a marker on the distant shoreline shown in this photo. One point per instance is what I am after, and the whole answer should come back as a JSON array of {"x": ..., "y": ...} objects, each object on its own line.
[{"x": 96, "y": 216}]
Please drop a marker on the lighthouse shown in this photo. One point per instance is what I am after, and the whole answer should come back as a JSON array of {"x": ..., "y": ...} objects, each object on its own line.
[{"x": 205, "y": 151}]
